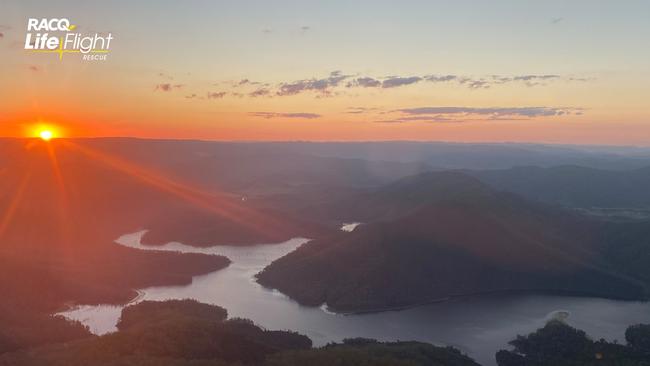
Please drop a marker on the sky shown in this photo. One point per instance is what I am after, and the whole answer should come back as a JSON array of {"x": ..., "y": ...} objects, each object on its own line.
[{"x": 467, "y": 71}]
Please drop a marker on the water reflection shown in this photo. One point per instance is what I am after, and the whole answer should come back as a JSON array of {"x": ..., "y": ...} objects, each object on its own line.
[
  {"x": 479, "y": 325},
  {"x": 349, "y": 227}
]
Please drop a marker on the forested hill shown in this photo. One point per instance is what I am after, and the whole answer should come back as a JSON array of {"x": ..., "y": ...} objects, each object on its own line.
[{"x": 437, "y": 235}]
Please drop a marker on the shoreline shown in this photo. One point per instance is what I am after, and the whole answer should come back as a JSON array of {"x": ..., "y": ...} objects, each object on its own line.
[
  {"x": 139, "y": 294},
  {"x": 377, "y": 310},
  {"x": 138, "y": 245}
]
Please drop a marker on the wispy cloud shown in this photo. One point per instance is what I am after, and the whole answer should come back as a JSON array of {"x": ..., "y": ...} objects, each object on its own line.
[
  {"x": 329, "y": 85},
  {"x": 438, "y": 119},
  {"x": 216, "y": 95},
  {"x": 364, "y": 82},
  {"x": 557, "y": 20},
  {"x": 470, "y": 114},
  {"x": 338, "y": 83},
  {"x": 360, "y": 110},
  {"x": 269, "y": 115},
  {"x": 167, "y": 87},
  {"x": 322, "y": 86},
  {"x": 528, "y": 80},
  {"x": 440, "y": 78},
  {"x": 261, "y": 92},
  {"x": 395, "y": 81},
  {"x": 499, "y": 112}
]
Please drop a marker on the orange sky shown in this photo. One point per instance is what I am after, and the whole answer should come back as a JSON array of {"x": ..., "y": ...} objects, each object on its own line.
[{"x": 307, "y": 73}]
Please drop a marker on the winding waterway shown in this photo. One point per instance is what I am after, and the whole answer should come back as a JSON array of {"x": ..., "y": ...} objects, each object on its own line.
[{"x": 479, "y": 326}]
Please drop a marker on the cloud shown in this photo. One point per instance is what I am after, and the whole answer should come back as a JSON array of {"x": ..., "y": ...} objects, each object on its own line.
[
  {"x": 470, "y": 82},
  {"x": 322, "y": 86},
  {"x": 528, "y": 112},
  {"x": 437, "y": 119},
  {"x": 191, "y": 96},
  {"x": 34, "y": 68},
  {"x": 164, "y": 87},
  {"x": 304, "y": 29},
  {"x": 528, "y": 80},
  {"x": 216, "y": 95},
  {"x": 261, "y": 92},
  {"x": 360, "y": 110},
  {"x": 2, "y": 35},
  {"x": 365, "y": 82},
  {"x": 557, "y": 20},
  {"x": 167, "y": 87},
  {"x": 486, "y": 82},
  {"x": 440, "y": 78},
  {"x": 332, "y": 84},
  {"x": 269, "y": 115},
  {"x": 535, "y": 77},
  {"x": 472, "y": 114},
  {"x": 242, "y": 83},
  {"x": 396, "y": 81},
  {"x": 325, "y": 85},
  {"x": 580, "y": 79},
  {"x": 267, "y": 30}
]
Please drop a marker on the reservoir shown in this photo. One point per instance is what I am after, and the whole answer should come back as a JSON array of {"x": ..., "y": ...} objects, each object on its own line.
[{"x": 478, "y": 326}]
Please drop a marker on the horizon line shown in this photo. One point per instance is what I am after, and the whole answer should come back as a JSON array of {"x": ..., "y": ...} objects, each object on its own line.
[{"x": 333, "y": 141}]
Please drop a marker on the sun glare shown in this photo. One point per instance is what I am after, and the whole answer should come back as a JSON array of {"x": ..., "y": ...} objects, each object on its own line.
[
  {"x": 44, "y": 131},
  {"x": 46, "y": 135}
]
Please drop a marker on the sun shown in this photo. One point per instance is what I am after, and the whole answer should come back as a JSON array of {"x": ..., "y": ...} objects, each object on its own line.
[
  {"x": 44, "y": 131},
  {"x": 46, "y": 135}
]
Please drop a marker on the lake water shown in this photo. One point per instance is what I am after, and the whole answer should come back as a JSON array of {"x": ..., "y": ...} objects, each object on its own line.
[
  {"x": 349, "y": 227},
  {"x": 479, "y": 326}
]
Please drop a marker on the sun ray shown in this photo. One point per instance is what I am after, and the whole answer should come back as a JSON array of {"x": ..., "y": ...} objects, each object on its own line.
[
  {"x": 56, "y": 169},
  {"x": 10, "y": 211},
  {"x": 63, "y": 216},
  {"x": 213, "y": 202}
]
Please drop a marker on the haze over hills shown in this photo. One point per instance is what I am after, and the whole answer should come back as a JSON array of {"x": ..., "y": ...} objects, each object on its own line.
[
  {"x": 255, "y": 167},
  {"x": 574, "y": 186},
  {"x": 61, "y": 211},
  {"x": 438, "y": 235},
  {"x": 427, "y": 234},
  {"x": 64, "y": 202},
  {"x": 368, "y": 162},
  {"x": 446, "y": 155}
]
